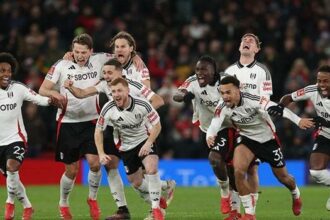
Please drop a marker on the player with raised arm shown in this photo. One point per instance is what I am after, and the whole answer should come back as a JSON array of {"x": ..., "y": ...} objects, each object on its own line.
[
  {"x": 255, "y": 78},
  {"x": 202, "y": 89},
  {"x": 13, "y": 139},
  {"x": 76, "y": 121},
  {"x": 319, "y": 95},
  {"x": 124, "y": 48},
  {"x": 257, "y": 138},
  {"x": 128, "y": 115},
  {"x": 112, "y": 70}
]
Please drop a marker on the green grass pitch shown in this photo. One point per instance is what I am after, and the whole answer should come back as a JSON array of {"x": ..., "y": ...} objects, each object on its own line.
[{"x": 189, "y": 203}]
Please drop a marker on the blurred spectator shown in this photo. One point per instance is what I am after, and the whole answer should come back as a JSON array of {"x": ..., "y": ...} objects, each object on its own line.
[
  {"x": 36, "y": 130},
  {"x": 159, "y": 65}
]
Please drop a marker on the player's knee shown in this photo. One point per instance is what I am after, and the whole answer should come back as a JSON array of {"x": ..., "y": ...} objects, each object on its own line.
[
  {"x": 13, "y": 166},
  {"x": 239, "y": 173},
  {"x": 321, "y": 176},
  {"x": 215, "y": 160}
]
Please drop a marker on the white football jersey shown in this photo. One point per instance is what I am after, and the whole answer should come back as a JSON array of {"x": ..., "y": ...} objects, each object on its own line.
[
  {"x": 78, "y": 110},
  {"x": 135, "y": 89},
  {"x": 130, "y": 123},
  {"x": 321, "y": 105},
  {"x": 130, "y": 72},
  {"x": 255, "y": 78},
  {"x": 11, "y": 101},
  {"x": 205, "y": 101},
  {"x": 250, "y": 117}
]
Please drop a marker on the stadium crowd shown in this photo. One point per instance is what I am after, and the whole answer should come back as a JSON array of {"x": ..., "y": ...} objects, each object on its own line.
[{"x": 171, "y": 35}]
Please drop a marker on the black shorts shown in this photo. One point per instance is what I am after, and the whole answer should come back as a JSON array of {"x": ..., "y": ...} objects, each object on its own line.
[
  {"x": 15, "y": 151},
  {"x": 74, "y": 141},
  {"x": 321, "y": 145},
  {"x": 224, "y": 143},
  {"x": 131, "y": 159},
  {"x": 108, "y": 142},
  {"x": 269, "y": 151}
]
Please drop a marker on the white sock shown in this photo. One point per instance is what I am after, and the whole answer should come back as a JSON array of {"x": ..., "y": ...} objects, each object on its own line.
[
  {"x": 235, "y": 201},
  {"x": 154, "y": 189},
  {"x": 94, "y": 179},
  {"x": 143, "y": 190},
  {"x": 117, "y": 187},
  {"x": 247, "y": 204},
  {"x": 224, "y": 188},
  {"x": 12, "y": 186},
  {"x": 295, "y": 193},
  {"x": 22, "y": 197},
  {"x": 66, "y": 186},
  {"x": 321, "y": 176},
  {"x": 255, "y": 197},
  {"x": 163, "y": 184}
]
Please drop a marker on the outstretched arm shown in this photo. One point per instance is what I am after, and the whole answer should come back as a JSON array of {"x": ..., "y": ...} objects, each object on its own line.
[
  {"x": 156, "y": 101},
  {"x": 78, "y": 92},
  {"x": 183, "y": 96}
]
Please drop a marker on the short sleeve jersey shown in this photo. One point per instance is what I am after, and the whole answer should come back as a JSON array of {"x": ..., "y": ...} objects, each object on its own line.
[
  {"x": 131, "y": 72},
  {"x": 78, "y": 110},
  {"x": 321, "y": 105},
  {"x": 255, "y": 78},
  {"x": 249, "y": 117},
  {"x": 205, "y": 101},
  {"x": 129, "y": 122},
  {"x": 11, "y": 101}
]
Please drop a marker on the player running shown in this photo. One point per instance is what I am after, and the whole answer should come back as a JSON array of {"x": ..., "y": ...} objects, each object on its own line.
[
  {"x": 128, "y": 116},
  {"x": 257, "y": 139},
  {"x": 202, "y": 90},
  {"x": 13, "y": 139},
  {"x": 319, "y": 95}
]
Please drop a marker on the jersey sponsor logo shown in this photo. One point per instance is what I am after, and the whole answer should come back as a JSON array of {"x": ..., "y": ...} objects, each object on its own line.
[
  {"x": 138, "y": 116},
  {"x": 253, "y": 75},
  {"x": 132, "y": 126},
  {"x": 248, "y": 119},
  {"x": 300, "y": 92},
  {"x": 83, "y": 76},
  {"x": 8, "y": 107},
  {"x": 72, "y": 67},
  {"x": 10, "y": 94},
  {"x": 209, "y": 103},
  {"x": 248, "y": 86},
  {"x": 325, "y": 114},
  {"x": 319, "y": 104},
  {"x": 267, "y": 86},
  {"x": 204, "y": 92}
]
